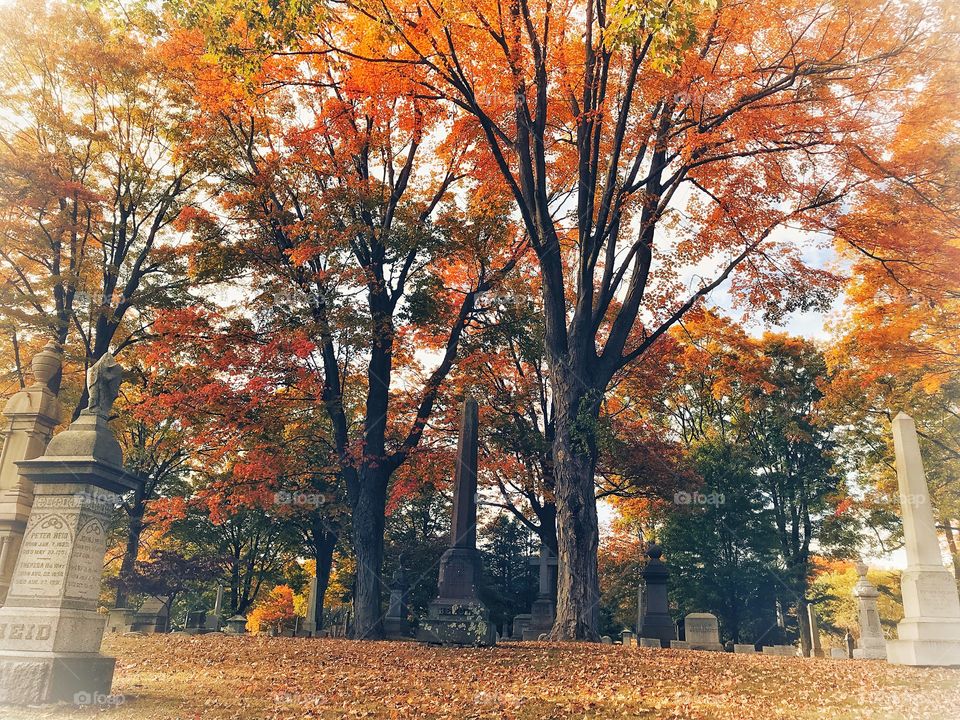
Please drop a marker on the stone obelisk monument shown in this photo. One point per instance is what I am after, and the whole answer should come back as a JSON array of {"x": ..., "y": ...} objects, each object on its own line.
[
  {"x": 929, "y": 633},
  {"x": 30, "y": 415},
  {"x": 457, "y": 617},
  {"x": 50, "y": 630},
  {"x": 872, "y": 646}
]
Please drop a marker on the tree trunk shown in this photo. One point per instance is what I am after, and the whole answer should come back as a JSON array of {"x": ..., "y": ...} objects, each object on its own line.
[
  {"x": 323, "y": 555},
  {"x": 368, "y": 527},
  {"x": 130, "y": 552},
  {"x": 575, "y": 454}
]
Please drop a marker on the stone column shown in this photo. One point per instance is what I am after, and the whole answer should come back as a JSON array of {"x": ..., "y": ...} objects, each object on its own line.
[
  {"x": 30, "y": 417},
  {"x": 929, "y": 633},
  {"x": 816, "y": 648},
  {"x": 656, "y": 623},
  {"x": 456, "y": 616},
  {"x": 872, "y": 646},
  {"x": 50, "y": 630}
]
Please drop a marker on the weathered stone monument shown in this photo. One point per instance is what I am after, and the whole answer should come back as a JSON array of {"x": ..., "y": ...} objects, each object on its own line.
[
  {"x": 151, "y": 617},
  {"x": 457, "y": 616},
  {"x": 872, "y": 646},
  {"x": 214, "y": 620},
  {"x": 520, "y": 623},
  {"x": 544, "y": 609},
  {"x": 701, "y": 631},
  {"x": 30, "y": 417},
  {"x": 656, "y": 622},
  {"x": 816, "y": 648},
  {"x": 396, "y": 625},
  {"x": 308, "y": 628},
  {"x": 929, "y": 633},
  {"x": 50, "y": 630}
]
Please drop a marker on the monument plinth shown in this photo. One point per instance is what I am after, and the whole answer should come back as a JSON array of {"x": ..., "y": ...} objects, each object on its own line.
[
  {"x": 457, "y": 616},
  {"x": 655, "y": 620},
  {"x": 872, "y": 646},
  {"x": 50, "y": 630},
  {"x": 396, "y": 626},
  {"x": 929, "y": 633},
  {"x": 30, "y": 417}
]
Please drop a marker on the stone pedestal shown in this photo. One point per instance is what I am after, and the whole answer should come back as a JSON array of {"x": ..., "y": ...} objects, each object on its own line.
[
  {"x": 50, "y": 630},
  {"x": 872, "y": 645},
  {"x": 520, "y": 623},
  {"x": 396, "y": 625},
  {"x": 213, "y": 621},
  {"x": 457, "y": 617},
  {"x": 655, "y": 621},
  {"x": 929, "y": 633},
  {"x": 30, "y": 417}
]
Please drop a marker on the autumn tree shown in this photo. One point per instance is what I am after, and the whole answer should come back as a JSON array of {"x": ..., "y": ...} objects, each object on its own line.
[
  {"x": 643, "y": 140},
  {"x": 93, "y": 178},
  {"x": 339, "y": 179}
]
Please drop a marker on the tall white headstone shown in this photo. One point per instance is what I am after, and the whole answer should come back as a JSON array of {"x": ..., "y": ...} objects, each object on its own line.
[
  {"x": 50, "y": 630},
  {"x": 30, "y": 417},
  {"x": 929, "y": 633}
]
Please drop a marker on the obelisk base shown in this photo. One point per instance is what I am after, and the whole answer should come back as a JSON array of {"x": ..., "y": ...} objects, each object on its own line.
[
  {"x": 38, "y": 678},
  {"x": 930, "y": 632},
  {"x": 660, "y": 626},
  {"x": 457, "y": 617},
  {"x": 457, "y": 622}
]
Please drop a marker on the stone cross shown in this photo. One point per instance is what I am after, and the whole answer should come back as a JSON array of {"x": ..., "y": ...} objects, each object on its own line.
[
  {"x": 544, "y": 561},
  {"x": 929, "y": 633}
]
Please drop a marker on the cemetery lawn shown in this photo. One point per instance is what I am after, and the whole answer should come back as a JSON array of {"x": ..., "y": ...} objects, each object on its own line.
[{"x": 216, "y": 676}]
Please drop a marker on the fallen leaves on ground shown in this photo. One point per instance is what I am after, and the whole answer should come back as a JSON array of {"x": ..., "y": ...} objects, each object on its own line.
[{"x": 180, "y": 677}]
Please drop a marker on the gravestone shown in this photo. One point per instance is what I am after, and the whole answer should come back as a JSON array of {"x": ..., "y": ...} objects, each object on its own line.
[
  {"x": 29, "y": 419},
  {"x": 838, "y": 653},
  {"x": 606, "y": 640},
  {"x": 649, "y": 642},
  {"x": 119, "y": 620},
  {"x": 457, "y": 616},
  {"x": 747, "y": 648},
  {"x": 679, "y": 645},
  {"x": 50, "y": 630},
  {"x": 396, "y": 625},
  {"x": 780, "y": 650},
  {"x": 151, "y": 617},
  {"x": 626, "y": 638},
  {"x": 213, "y": 621},
  {"x": 520, "y": 623},
  {"x": 656, "y": 621},
  {"x": 872, "y": 646},
  {"x": 236, "y": 625},
  {"x": 929, "y": 633},
  {"x": 196, "y": 622},
  {"x": 816, "y": 649},
  {"x": 544, "y": 608},
  {"x": 848, "y": 644},
  {"x": 701, "y": 631}
]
